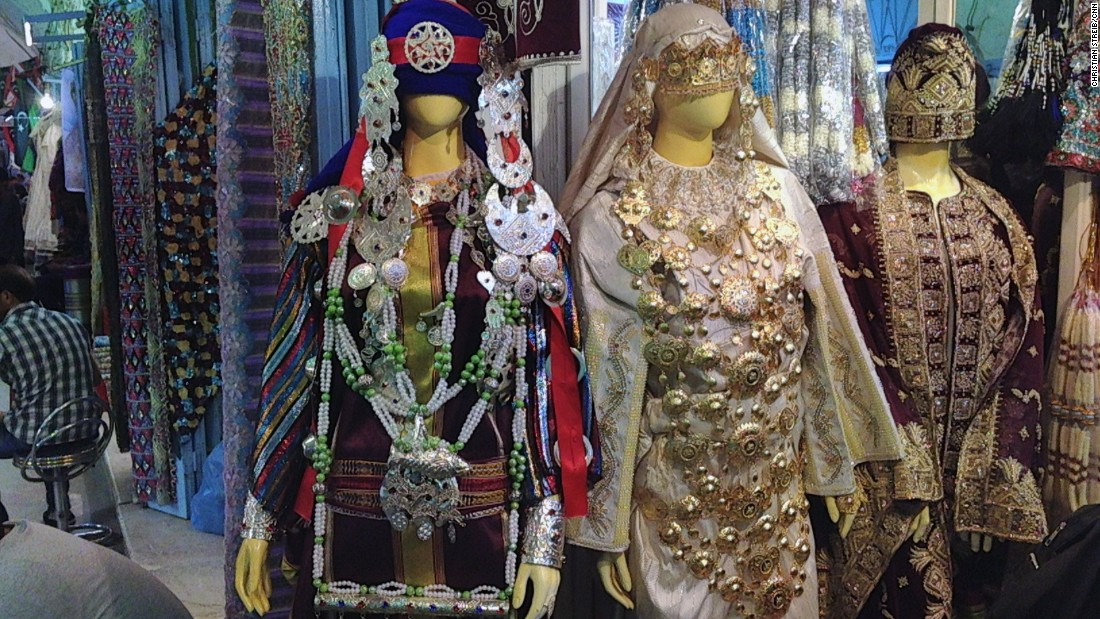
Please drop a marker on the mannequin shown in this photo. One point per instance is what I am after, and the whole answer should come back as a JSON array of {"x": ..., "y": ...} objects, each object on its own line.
[
  {"x": 684, "y": 135},
  {"x": 424, "y": 458},
  {"x": 942, "y": 277},
  {"x": 713, "y": 512}
]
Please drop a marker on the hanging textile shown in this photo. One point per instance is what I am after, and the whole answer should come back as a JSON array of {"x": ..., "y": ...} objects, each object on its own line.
[
  {"x": 127, "y": 37},
  {"x": 248, "y": 255},
  {"x": 1079, "y": 145},
  {"x": 533, "y": 31},
  {"x": 38, "y": 221},
  {"x": 829, "y": 109},
  {"x": 186, "y": 230},
  {"x": 287, "y": 27}
]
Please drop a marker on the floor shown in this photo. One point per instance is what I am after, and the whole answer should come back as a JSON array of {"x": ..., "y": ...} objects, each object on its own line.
[{"x": 189, "y": 562}]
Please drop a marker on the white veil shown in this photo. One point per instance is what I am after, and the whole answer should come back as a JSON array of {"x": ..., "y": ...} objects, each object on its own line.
[{"x": 596, "y": 168}]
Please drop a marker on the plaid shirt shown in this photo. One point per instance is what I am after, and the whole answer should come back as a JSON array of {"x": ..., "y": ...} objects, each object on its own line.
[{"x": 46, "y": 357}]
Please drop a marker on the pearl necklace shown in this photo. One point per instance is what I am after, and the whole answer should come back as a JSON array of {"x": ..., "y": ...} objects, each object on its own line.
[{"x": 501, "y": 354}]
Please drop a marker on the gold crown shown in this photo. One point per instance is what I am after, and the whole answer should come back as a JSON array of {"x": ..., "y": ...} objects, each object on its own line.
[
  {"x": 931, "y": 90},
  {"x": 708, "y": 68}
]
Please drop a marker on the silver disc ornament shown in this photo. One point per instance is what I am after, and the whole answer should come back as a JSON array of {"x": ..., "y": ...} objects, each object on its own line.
[
  {"x": 544, "y": 266},
  {"x": 520, "y": 233},
  {"x": 507, "y": 267},
  {"x": 340, "y": 204},
  {"x": 362, "y": 276},
  {"x": 395, "y": 272},
  {"x": 526, "y": 289}
]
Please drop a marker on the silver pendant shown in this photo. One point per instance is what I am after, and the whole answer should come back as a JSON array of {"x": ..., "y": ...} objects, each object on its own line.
[
  {"x": 519, "y": 233},
  {"x": 494, "y": 314},
  {"x": 435, "y": 336},
  {"x": 420, "y": 489},
  {"x": 487, "y": 281},
  {"x": 378, "y": 240}
]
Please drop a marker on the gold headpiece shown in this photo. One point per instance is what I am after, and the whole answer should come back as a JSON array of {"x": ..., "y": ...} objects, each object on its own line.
[
  {"x": 707, "y": 68},
  {"x": 931, "y": 90}
]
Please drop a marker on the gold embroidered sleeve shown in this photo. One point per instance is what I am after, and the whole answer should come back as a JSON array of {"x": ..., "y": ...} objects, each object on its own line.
[
  {"x": 917, "y": 476},
  {"x": 613, "y": 340},
  {"x": 857, "y": 394},
  {"x": 996, "y": 495}
]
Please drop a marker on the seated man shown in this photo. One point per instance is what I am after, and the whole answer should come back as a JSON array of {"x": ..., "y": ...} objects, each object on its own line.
[
  {"x": 46, "y": 358},
  {"x": 47, "y": 573}
]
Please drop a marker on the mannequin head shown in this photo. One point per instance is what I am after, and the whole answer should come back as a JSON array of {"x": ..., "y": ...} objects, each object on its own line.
[
  {"x": 426, "y": 115},
  {"x": 694, "y": 115}
]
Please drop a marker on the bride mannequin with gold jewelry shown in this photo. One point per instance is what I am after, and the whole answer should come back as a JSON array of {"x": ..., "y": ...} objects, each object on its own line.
[
  {"x": 943, "y": 277},
  {"x": 726, "y": 366},
  {"x": 434, "y": 488}
]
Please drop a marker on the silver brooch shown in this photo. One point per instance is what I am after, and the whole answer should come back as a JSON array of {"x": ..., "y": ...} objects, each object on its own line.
[
  {"x": 308, "y": 224},
  {"x": 544, "y": 266},
  {"x": 507, "y": 268},
  {"x": 430, "y": 47}
]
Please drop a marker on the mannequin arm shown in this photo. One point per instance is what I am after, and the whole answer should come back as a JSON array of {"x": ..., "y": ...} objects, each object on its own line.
[
  {"x": 251, "y": 580},
  {"x": 918, "y": 527},
  {"x": 979, "y": 542},
  {"x": 842, "y": 520},
  {"x": 615, "y": 576},
  {"x": 544, "y": 583}
]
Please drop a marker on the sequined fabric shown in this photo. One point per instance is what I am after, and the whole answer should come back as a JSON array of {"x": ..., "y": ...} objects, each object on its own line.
[
  {"x": 829, "y": 111},
  {"x": 187, "y": 244}
]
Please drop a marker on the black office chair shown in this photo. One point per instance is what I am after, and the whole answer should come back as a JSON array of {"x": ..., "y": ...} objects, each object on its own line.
[{"x": 57, "y": 464}]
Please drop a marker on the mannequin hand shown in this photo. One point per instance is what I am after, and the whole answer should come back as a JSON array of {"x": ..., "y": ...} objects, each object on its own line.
[
  {"x": 544, "y": 589},
  {"x": 615, "y": 576},
  {"x": 979, "y": 542},
  {"x": 920, "y": 524},
  {"x": 843, "y": 521},
  {"x": 251, "y": 580}
]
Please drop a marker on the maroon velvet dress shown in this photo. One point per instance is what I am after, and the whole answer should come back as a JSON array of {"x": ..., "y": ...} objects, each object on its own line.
[{"x": 945, "y": 296}]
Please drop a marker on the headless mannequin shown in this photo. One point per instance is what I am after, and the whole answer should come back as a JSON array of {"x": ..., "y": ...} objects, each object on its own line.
[
  {"x": 927, "y": 168},
  {"x": 433, "y": 144},
  {"x": 684, "y": 135}
]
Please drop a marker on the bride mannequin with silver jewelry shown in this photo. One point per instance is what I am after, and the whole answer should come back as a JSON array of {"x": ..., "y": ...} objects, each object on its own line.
[{"x": 444, "y": 306}]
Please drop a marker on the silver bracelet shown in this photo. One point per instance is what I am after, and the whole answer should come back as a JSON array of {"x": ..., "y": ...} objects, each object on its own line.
[
  {"x": 258, "y": 522},
  {"x": 544, "y": 535}
]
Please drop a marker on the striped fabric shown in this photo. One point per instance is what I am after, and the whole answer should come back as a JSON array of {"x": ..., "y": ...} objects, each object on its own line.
[
  {"x": 295, "y": 327},
  {"x": 46, "y": 357}
]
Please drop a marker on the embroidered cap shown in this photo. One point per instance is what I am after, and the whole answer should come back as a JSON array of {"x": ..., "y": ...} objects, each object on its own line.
[{"x": 931, "y": 89}]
